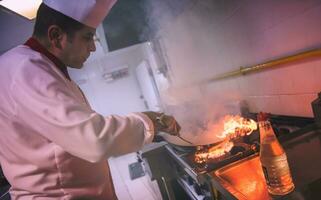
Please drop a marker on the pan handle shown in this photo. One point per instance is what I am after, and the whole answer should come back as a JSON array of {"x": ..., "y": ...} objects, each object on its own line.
[{"x": 180, "y": 137}]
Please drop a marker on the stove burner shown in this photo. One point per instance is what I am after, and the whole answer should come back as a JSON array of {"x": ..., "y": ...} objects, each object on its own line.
[{"x": 182, "y": 166}]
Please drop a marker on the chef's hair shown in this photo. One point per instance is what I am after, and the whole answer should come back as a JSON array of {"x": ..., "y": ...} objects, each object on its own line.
[{"x": 47, "y": 16}]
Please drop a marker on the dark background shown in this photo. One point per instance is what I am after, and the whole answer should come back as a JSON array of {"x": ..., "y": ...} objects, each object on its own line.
[{"x": 135, "y": 21}]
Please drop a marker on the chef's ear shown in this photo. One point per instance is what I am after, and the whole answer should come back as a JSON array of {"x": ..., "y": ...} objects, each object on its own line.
[{"x": 55, "y": 36}]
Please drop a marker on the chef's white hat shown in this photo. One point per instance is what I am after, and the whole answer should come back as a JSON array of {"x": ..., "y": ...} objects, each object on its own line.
[{"x": 88, "y": 12}]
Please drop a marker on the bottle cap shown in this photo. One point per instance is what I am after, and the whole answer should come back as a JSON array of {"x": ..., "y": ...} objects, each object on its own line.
[{"x": 262, "y": 116}]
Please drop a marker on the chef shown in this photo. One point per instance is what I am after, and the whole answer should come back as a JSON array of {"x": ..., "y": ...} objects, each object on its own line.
[{"x": 52, "y": 144}]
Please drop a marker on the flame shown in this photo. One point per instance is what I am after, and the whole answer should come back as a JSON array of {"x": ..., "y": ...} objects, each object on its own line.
[
  {"x": 234, "y": 127},
  {"x": 213, "y": 152}
]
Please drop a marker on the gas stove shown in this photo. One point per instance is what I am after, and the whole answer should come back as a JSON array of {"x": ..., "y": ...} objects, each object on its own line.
[
  {"x": 180, "y": 177},
  {"x": 194, "y": 177}
]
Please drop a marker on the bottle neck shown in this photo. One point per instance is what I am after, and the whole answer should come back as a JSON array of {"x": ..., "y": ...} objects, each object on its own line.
[
  {"x": 266, "y": 132},
  {"x": 269, "y": 143}
]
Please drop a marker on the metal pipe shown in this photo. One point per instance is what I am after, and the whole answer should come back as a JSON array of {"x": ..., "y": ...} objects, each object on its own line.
[{"x": 267, "y": 65}]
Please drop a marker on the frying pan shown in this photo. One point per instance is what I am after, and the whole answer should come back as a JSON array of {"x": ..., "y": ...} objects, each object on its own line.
[{"x": 197, "y": 132}]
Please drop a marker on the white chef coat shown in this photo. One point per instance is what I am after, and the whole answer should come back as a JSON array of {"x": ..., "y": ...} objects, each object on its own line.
[{"x": 52, "y": 144}]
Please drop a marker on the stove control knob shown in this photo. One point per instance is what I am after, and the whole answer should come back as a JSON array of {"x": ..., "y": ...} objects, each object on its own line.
[
  {"x": 207, "y": 198},
  {"x": 197, "y": 189},
  {"x": 190, "y": 181}
]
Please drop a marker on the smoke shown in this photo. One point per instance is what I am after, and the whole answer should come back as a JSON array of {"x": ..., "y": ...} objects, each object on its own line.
[{"x": 190, "y": 38}]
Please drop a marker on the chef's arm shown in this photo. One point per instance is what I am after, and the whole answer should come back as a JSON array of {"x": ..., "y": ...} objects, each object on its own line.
[
  {"x": 93, "y": 137},
  {"x": 48, "y": 108}
]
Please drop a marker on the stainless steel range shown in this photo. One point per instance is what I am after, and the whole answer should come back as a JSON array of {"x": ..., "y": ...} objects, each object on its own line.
[
  {"x": 170, "y": 166},
  {"x": 237, "y": 173}
]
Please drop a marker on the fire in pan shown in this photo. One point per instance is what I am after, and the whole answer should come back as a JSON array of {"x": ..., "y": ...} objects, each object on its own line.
[{"x": 212, "y": 144}]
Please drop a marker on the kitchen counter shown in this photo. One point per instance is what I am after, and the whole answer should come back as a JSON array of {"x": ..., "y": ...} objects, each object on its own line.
[{"x": 244, "y": 179}]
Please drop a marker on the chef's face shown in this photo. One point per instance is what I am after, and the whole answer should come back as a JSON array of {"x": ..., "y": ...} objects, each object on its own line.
[{"x": 77, "y": 47}]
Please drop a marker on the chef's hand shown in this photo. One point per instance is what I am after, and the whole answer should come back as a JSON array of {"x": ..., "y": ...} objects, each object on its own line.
[{"x": 164, "y": 123}]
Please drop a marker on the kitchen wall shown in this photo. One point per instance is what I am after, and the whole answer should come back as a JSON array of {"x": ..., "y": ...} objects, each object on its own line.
[
  {"x": 15, "y": 30},
  {"x": 120, "y": 96},
  {"x": 214, "y": 37}
]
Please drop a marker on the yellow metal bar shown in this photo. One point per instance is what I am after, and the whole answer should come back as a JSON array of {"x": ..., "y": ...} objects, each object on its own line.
[{"x": 267, "y": 65}]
